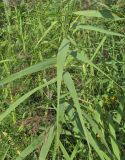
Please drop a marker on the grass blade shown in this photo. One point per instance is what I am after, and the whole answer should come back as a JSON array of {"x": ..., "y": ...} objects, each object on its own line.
[
  {"x": 45, "y": 34},
  {"x": 61, "y": 58},
  {"x": 70, "y": 85},
  {"x": 98, "y": 14},
  {"x": 98, "y": 48},
  {"x": 6, "y": 60},
  {"x": 75, "y": 151},
  {"x": 95, "y": 145},
  {"x": 23, "y": 98},
  {"x": 85, "y": 59},
  {"x": 36, "y": 142},
  {"x": 93, "y": 28},
  {"x": 32, "y": 69},
  {"x": 5, "y": 154},
  {"x": 64, "y": 151},
  {"x": 90, "y": 140},
  {"x": 115, "y": 147},
  {"x": 47, "y": 144}
]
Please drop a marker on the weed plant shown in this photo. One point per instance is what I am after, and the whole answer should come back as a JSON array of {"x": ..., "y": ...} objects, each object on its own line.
[{"x": 62, "y": 80}]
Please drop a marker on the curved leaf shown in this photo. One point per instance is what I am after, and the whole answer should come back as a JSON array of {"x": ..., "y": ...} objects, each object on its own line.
[
  {"x": 32, "y": 69},
  {"x": 93, "y": 28},
  {"x": 23, "y": 98},
  {"x": 98, "y": 14}
]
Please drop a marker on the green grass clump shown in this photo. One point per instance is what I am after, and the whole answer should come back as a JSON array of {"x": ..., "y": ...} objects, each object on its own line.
[{"x": 62, "y": 83}]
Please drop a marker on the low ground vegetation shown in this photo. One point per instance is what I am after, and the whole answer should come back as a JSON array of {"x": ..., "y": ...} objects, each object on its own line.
[{"x": 62, "y": 80}]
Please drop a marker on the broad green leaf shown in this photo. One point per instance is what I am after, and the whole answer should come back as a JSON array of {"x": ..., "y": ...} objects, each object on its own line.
[
  {"x": 90, "y": 140},
  {"x": 23, "y": 98},
  {"x": 105, "y": 156},
  {"x": 98, "y": 14},
  {"x": 61, "y": 58},
  {"x": 93, "y": 124},
  {"x": 95, "y": 145},
  {"x": 93, "y": 28},
  {"x": 70, "y": 85},
  {"x": 32, "y": 69},
  {"x": 96, "y": 129},
  {"x": 47, "y": 144}
]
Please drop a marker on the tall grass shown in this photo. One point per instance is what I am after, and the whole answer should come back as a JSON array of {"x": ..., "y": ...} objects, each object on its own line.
[{"x": 62, "y": 80}]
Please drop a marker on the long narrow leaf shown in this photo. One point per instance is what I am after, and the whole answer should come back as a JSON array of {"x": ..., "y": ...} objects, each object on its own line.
[
  {"x": 64, "y": 151},
  {"x": 23, "y": 98},
  {"x": 70, "y": 85},
  {"x": 85, "y": 59},
  {"x": 47, "y": 144},
  {"x": 75, "y": 151},
  {"x": 114, "y": 144},
  {"x": 5, "y": 154},
  {"x": 95, "y": 145},
  {"x": 6, "y": 60},
  {"x": 61, "y": 57},
  {"x": 98, "y": 48},
  {"x": 98, "y": 14},
  {"x": 32, "y": 69},
  {"x": 35, "y": 143},
  {"x": 45, "y": 33},
  {"x": 90, "y": 140},
  {"x": 93, "y": 28}
]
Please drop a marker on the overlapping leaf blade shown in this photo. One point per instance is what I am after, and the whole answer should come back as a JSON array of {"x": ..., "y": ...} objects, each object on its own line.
[
  {"x": 97, "y": 29},
  {"x": 47, "y": 144},
  {"x": 23, "y": 98},
  {"x": 32, "y": 69},
  {"x": 61, "y": 58},
  {"x": 106, "y": 14},
  {"x": 29, "y": 149}
]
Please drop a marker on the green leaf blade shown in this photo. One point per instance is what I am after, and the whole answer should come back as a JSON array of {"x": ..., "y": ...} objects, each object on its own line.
[
  {"x": 32, "y": 69},
  {"x": 47, "y": 144},
  {"x": 23, "y": 98},
  {"x": 97, "y": 29}
]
